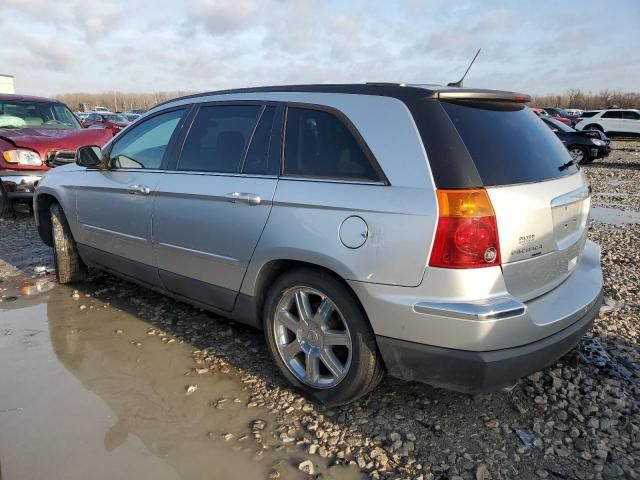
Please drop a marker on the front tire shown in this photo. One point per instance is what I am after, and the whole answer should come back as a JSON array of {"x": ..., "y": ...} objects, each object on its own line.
[
  {"x": 579, "y": 154},
  {"x": 6, "y": 205},
  {"x": 69, "y": 266},
  {"x": 593, "y": 127},
  {"x": 320, "y": 338}
]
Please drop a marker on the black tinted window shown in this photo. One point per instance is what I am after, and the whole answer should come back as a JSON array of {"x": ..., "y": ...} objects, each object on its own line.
[
  {"x": 318, "y": 144},
  {"x": 587, "y": 114},
  {"x": 217, "y": 138},
  {"x": 613, "y": 114},
  {"x": 631, "y": 115},
  {"x": 144, "y": 145},
  {"x": 259, "y": 153},
  {"x": 508, "y": 143}
]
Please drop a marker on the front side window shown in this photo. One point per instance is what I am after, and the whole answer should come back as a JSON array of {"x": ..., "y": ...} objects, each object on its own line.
[
  {"x": 218, "y": 137},
  {"x": 318, "y": 144},
  {"x": 612, "y": 114},
  {"x": 587, "y": 114},
  {"x": 144, "y": 145}
]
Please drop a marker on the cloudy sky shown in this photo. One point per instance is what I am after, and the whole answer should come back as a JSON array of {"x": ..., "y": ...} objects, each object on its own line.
[{"x": 535, "y": 46}]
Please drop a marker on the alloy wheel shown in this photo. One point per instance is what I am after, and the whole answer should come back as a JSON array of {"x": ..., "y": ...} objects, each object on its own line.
[
  {"x": 577, "y": 154},
  {"x": 312, "y": 337}
]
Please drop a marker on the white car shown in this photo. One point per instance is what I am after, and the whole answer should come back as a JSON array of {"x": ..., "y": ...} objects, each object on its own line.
[
  {"x": 618, "y": 121},
  {"x": 574, "y": 112}
]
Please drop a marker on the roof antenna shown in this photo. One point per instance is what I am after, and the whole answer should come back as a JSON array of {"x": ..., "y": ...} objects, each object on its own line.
[{"x": 459, "y": 82}]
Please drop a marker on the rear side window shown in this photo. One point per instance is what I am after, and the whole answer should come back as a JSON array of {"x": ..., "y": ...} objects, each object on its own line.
[
  {"x": 258, "y": 156},
  {"x": 631, "y": 115},
  {"x": 507, "y": 142},
  {"x": 613, "y": 114},
  {"x": 318, "y": 144},
  {"x": 218, "y": 137}
]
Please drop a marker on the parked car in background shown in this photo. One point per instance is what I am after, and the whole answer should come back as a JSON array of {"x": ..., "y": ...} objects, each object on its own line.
[
  {"x": 559, "y": 114},
  {"x": 101, "y": 109},
  {"x": 583, "y": 146},
  {"x": 112, "y": 121},
  {"x": 573, "y": 112},
  {"x": 541, "y": 112},
  {"x": 612, "y": 122},
  {"x": 131, "y": 117},
  {"x": 36, "y": 134},
  {"x": 439, "y": 233}
]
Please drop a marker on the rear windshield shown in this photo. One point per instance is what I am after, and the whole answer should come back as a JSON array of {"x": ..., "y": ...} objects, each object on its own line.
[{"x": 508, "y": 143}]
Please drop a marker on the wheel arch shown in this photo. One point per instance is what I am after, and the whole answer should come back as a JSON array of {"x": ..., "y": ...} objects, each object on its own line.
[
  {"x": 275, "y": 268},
  {"x": 41, "y": 206}
]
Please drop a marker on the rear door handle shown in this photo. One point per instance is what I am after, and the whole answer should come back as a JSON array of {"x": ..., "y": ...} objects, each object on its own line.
[
  {"x": 241, "y": 197},
  {"x": 139, "y": 190}
]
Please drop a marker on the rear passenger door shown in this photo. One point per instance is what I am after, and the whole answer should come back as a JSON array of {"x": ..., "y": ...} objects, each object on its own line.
[
  {"x": 631, "y": 121},
  {"x": 212, "y": 206},
  {"x": 612, "y": 121}
]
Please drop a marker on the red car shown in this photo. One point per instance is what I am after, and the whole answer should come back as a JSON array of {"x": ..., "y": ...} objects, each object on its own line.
[
  {"x": 112, "y": 121},
  {"x": 541, "y": 112},
  {"x": 36, "y": 134}
]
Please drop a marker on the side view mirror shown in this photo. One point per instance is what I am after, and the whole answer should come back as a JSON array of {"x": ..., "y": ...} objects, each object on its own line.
[{"x": 89, "y": 157}]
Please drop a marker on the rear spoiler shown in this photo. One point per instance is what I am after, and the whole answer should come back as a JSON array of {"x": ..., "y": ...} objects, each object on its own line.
[{"x": 476, "y": 94}]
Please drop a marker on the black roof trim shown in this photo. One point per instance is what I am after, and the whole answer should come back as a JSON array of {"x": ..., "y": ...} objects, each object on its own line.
[{"x": 395, "y": 90}]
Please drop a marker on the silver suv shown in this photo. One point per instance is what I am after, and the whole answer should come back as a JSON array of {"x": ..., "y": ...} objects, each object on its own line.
[{"x": 435, "y": 233}]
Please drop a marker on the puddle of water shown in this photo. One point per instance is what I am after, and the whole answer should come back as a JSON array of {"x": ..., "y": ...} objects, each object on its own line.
[
  {"x": 614, "y": 216},
  {"x": 88, "y": 394}
]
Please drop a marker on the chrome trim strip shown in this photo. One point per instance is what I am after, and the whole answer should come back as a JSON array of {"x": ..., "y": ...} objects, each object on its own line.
[
  {"x": 581, "y": 193},
  {"x": 199, "y": 252},
  {"x": 113, "y": 232},
  {"x": 330, "y": 180},
  {"x": 490, "y": 309}
]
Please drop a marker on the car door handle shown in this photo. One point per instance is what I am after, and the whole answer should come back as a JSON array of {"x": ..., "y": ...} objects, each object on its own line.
[
  {"x": 241, "y": 197},
  {"x": 139, "y": 190}
]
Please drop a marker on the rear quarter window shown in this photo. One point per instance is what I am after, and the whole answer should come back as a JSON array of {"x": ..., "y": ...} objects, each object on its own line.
[{"x": 508, "y": 143}]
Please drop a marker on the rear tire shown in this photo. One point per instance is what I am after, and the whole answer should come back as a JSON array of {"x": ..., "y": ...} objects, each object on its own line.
[
  {"x": 69, "y": 266},
  {"x": 6, "y": 205},
  {"x": 329, "y": 350}
]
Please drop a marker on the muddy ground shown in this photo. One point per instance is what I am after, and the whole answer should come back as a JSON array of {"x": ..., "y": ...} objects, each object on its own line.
[{"x": 113, "y": 381}]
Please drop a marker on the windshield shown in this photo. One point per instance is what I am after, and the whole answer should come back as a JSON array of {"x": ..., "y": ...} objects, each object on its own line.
[
  {"x": 25, "y": 114},
  {"x": 112, "y": 117},
  {"x": 559, "y": 125}
]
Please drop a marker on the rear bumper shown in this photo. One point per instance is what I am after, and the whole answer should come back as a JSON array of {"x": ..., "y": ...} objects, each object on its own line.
[
  {"x": 21, "y": 185},
  {"x": 480, "y": 372}
]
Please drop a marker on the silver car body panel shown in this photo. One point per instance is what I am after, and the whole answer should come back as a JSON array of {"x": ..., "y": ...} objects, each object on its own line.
[
  {"x": 393, "y": 312},
  {"x": 200, "y": 231}
]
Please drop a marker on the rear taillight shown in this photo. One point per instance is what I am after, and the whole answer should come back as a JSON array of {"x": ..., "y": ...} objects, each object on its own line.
[{"x": 467, "y": 232}]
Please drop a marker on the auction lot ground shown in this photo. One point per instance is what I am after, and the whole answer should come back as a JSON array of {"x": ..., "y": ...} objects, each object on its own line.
[{"x": 115, "y": 381}]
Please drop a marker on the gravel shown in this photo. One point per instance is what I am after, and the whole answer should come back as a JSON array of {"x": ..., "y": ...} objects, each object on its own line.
[{"x": 573, "y": 420}]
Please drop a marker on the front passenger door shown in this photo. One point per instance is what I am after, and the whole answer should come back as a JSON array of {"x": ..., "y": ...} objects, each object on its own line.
[{"x": 115, "y": 203}]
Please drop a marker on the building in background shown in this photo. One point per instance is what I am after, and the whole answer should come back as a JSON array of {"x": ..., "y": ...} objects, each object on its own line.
[{"x": 6, "y": 84}]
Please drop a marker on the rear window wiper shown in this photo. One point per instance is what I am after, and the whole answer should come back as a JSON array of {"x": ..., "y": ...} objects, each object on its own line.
[{"x": 570, "y": 163}]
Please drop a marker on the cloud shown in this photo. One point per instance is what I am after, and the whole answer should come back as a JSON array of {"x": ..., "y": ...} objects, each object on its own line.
[
  {"x": 92, "y": 45},
  {"x": 220, "y": 17}
]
